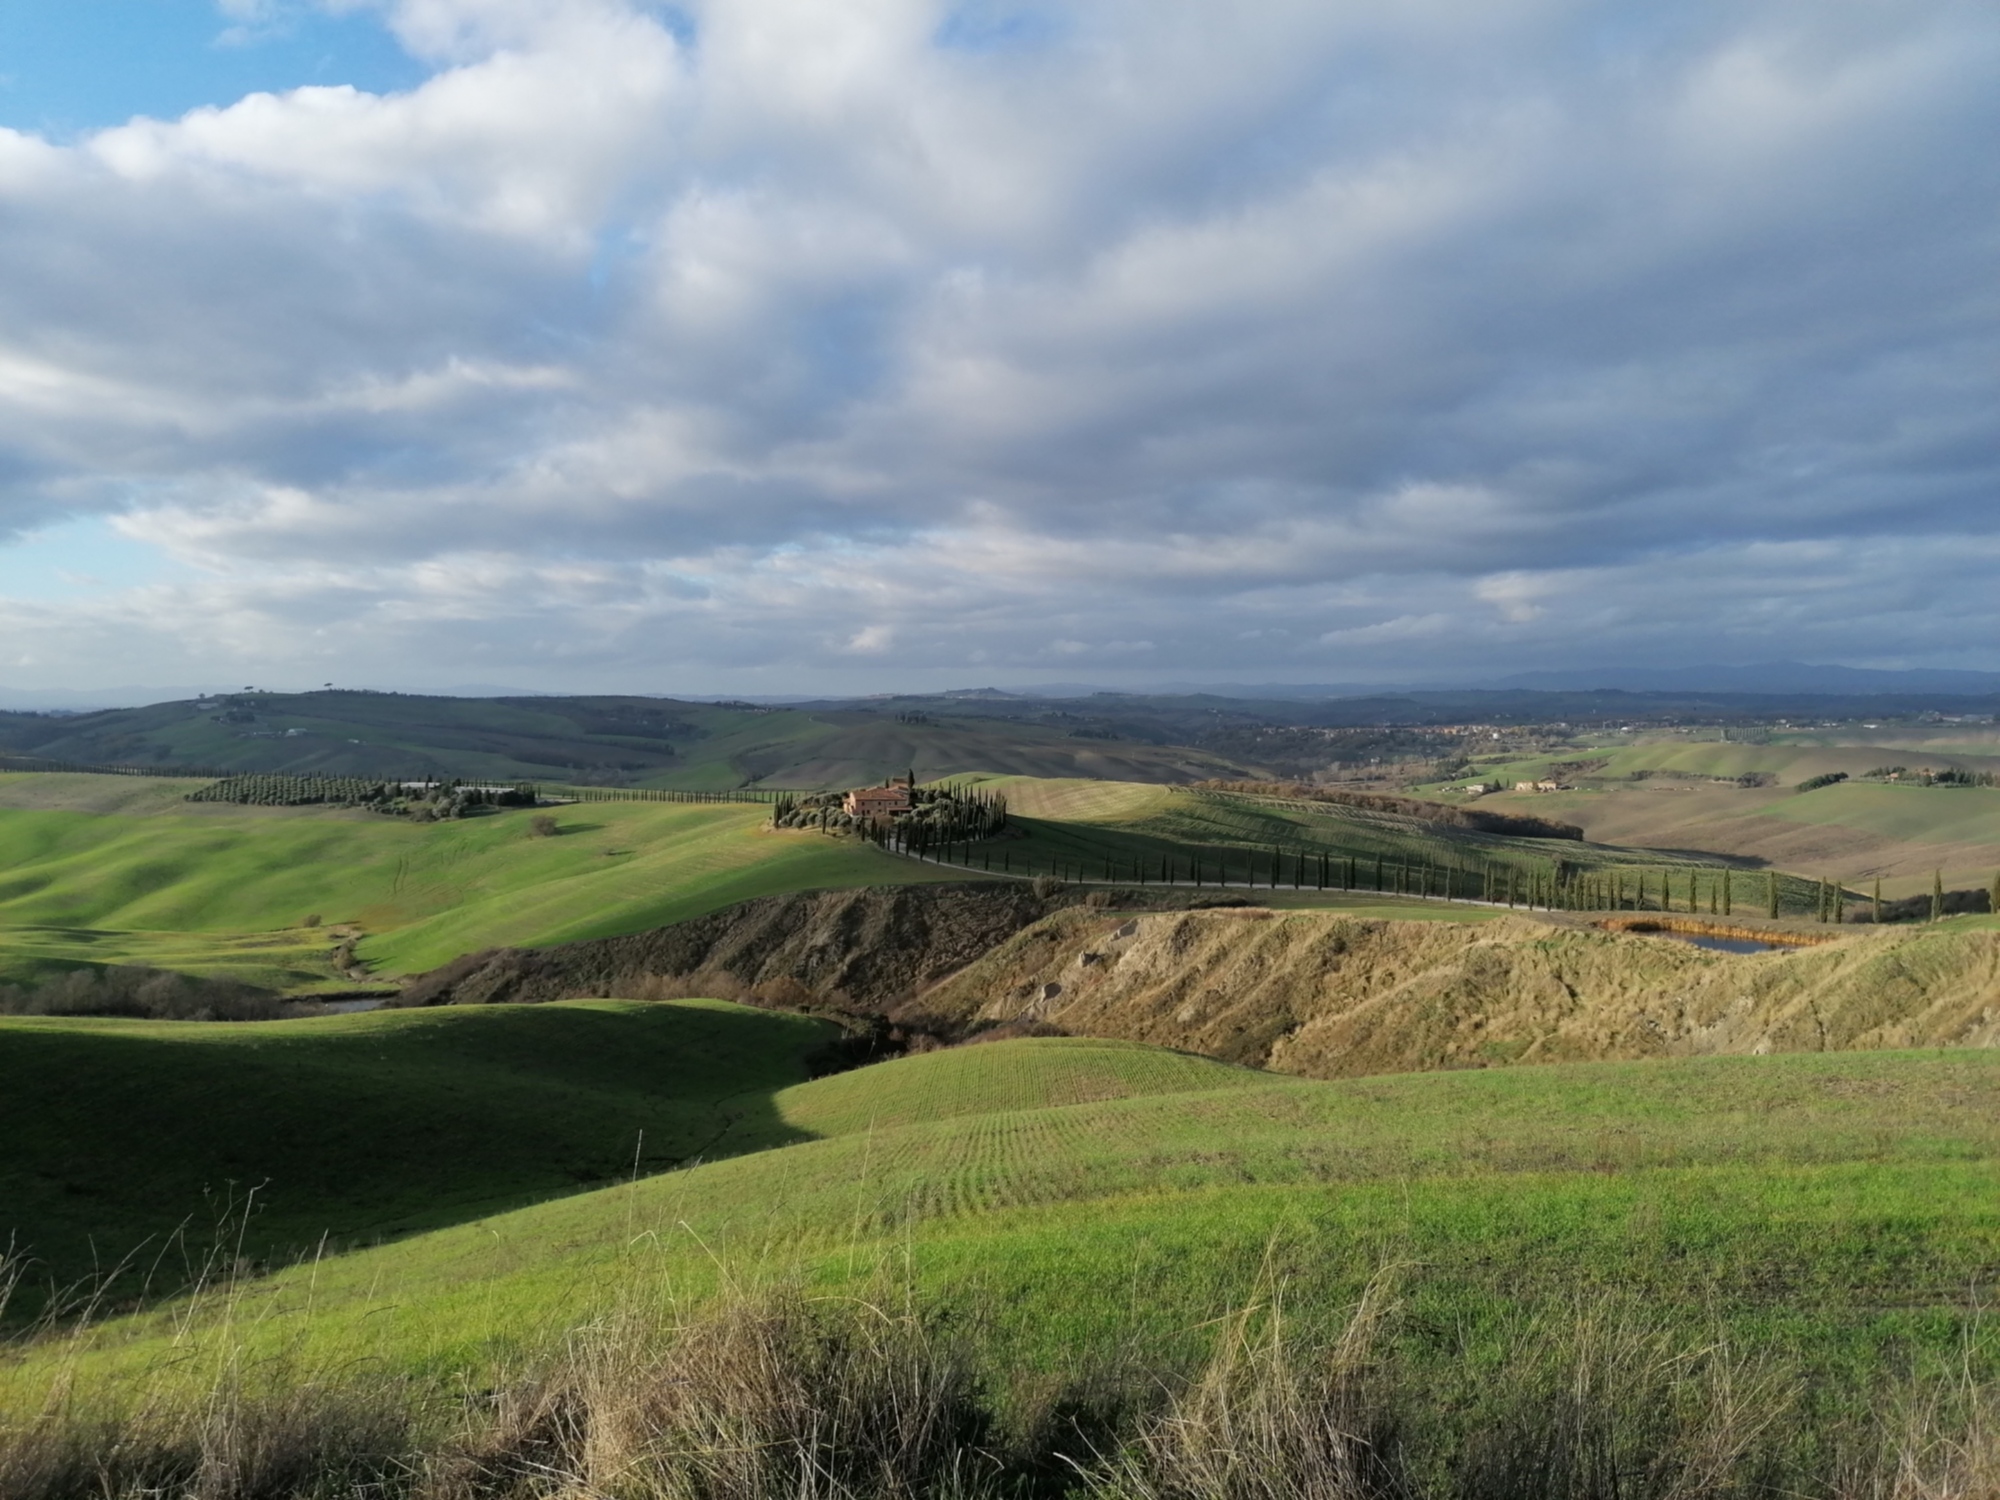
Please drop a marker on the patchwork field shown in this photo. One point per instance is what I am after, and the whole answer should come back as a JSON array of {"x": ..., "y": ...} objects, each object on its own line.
[{"x": 1679, "y": 794}]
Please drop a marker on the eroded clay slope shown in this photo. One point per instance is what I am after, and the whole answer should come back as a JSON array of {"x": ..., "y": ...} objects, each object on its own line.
[{"x": 1324, "y": 995}]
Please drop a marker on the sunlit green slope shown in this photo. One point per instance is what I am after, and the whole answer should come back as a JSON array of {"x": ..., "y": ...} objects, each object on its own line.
[
  {"x": 153, "y": 884},
  {"x": 1080, "y": 1192}
]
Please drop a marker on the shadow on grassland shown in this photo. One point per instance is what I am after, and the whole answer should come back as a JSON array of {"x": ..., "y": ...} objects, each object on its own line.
[{"x": 144, "y": 1155}]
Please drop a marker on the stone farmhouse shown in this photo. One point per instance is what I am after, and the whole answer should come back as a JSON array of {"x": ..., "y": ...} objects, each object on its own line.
[{"x": 877, "y": 802}]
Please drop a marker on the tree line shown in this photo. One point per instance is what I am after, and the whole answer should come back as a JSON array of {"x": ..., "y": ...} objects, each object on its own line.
[
  {"x": 1560, "y": 886},
  {"x": 422, "y": 800}
]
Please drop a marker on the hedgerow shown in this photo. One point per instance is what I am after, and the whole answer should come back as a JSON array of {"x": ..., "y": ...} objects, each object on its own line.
[{"x": 420, "y": 799}]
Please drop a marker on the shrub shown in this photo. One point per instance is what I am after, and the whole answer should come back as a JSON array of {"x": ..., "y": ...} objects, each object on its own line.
[
  {"x": 1828, "y": 778},
  {"x": 543, "y": 826},
  {"x": 147, "y": 994}
]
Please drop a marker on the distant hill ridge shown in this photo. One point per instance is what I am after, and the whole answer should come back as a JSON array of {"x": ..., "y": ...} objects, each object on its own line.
[{"x": 1518, "y": 825}]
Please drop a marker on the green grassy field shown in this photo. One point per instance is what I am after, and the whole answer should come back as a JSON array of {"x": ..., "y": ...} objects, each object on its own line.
[
  {"x": 223, "y": 889},
  {"x": 102, "y": 869},
  {"x": 145, "y": 1141},
  {"x": 1090, "y": 1197},
  {"x": 1112, "y": 831}
]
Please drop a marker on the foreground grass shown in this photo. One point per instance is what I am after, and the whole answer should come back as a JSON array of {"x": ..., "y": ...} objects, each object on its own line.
[
  {"x": 164, "y": 1143},
  {"x": 1112, "y": 1200},
  {"x": 1076, "y": 1267},
  {"x": 778, "y": 1395}
]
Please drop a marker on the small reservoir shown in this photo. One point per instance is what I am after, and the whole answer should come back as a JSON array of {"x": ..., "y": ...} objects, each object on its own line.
[
  {"x": 1723, "y": 944},
  {"x": 1716, "y": 938}
]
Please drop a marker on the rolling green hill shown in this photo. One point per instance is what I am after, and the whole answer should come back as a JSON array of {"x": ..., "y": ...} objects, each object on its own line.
[
  {"x": 654, "y": 742},
  {"x": 224, "y": 889},
  {"x": 1078, "y": 1206},
  {"x": 115, "y": 869},
  {"x": 1110, "y": 831},
  {"x": 157, "y": 1142}
]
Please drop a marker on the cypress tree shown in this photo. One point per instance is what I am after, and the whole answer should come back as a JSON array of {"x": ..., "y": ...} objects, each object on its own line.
[
  {"x": 1774, "y": 893},
  {"x": 1993, "y": 894},
  {"x": 1839, "y": 903},
  {"x": 1937, "y": 894},
  {"x": 1725, "y": 893}
]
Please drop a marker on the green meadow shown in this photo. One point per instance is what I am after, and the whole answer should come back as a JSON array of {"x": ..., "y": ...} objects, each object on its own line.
[
  {"x": 124, "y": 870},
  {"x": 1087, "y": 1197},
  {"x": 442, "y": 1209},
  {"x": 225, "y": 890},
  {"x": 152, "y": 1144},
  {"x": 1125, "y": 832}
]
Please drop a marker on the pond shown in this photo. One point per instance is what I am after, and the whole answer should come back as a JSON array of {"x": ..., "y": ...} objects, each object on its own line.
[
  {"x": 1716, "y": 942},
  {"x": 1722, "y": 944}
]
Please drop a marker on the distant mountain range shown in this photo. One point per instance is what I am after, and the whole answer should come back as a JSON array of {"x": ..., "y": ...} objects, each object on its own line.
[
  {"x": 1778, "y": 678},
  {"x": 1763, "y": 678}
]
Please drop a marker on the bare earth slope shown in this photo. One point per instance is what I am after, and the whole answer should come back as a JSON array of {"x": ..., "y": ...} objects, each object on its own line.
[
  {"x": 866, "y": 948},
  {"x": 1326, "y": 995}
]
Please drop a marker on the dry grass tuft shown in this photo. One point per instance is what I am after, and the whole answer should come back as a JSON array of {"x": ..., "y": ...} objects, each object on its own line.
[
  {"x": 783, "y": 1397},
  {"x": 1262, "y": 1423},
  {"x": 306, "y": 1441}
]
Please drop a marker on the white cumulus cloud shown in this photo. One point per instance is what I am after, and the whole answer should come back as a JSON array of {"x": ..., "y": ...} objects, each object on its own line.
[{"x": 833, "y": 342}]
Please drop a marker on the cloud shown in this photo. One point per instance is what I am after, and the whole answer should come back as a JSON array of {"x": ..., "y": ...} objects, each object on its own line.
[{"x": 840, "y": 342}]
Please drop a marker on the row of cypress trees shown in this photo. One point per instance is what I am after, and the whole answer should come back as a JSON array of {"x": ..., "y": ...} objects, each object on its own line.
[{"x": 1561, "y": 887}]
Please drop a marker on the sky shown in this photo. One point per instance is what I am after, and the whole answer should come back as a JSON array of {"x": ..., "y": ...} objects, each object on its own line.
[{"x": 778, "y": 346}]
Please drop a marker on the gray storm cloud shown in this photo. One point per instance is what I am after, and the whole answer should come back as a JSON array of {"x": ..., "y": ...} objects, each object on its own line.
[{"x": 840, "y": 342}]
